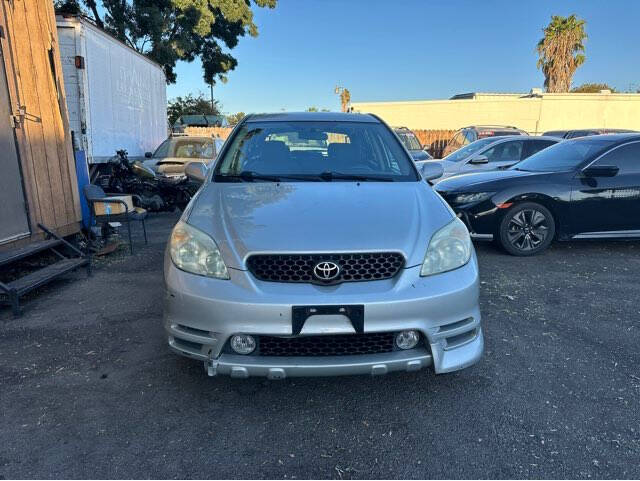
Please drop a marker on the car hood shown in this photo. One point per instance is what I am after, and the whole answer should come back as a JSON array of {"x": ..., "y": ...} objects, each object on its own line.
[
  {"x": 172, "y": 164},
  {"x": 476, "y": 181},
  {"x": 244, "y": 218}
]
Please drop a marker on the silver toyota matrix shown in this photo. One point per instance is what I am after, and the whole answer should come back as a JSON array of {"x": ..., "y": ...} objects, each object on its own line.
[{"x": 316, "y": 247}]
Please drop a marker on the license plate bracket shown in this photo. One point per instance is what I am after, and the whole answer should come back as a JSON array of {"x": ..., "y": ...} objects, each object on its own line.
[{"x": 353, "y": 312}]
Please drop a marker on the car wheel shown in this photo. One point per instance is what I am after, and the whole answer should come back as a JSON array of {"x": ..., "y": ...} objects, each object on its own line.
[{"x": 526, "y": 229}]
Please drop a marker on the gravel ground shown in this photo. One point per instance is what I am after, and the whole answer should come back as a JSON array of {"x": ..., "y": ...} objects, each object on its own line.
[{"x": 90, "y": 390}]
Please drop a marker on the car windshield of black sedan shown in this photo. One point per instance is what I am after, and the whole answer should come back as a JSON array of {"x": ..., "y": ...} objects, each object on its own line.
[
  {"x": 564, "y": 156},
  {"x": 315, "y": 151}
]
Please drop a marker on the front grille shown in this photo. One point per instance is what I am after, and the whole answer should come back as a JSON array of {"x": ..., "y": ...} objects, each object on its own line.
[
  {"x": 334, "y": 345},
  {"x": 354, "y": 267}
]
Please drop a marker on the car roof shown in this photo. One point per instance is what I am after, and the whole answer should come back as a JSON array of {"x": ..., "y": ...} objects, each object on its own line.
[
  {"x": 503, "y": 127},
  {"x": 521, "y": 138},
  {"x": 615, "y": 138},
  {"x": 312, "y": 117},
  {"x": 501, "y": 139},
  {"x": 603, "y": 129}
]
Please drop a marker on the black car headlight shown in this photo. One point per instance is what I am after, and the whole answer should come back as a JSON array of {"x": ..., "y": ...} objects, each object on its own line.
[{"x": 471, "y": 197}]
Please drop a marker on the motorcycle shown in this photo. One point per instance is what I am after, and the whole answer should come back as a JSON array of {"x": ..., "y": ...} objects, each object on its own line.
[{"x": 154, "y": 192}]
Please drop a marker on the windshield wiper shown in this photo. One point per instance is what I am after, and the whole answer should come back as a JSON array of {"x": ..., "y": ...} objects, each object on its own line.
[
  {"x": 248, "y": 176},
  {"x": 330, "y": 175},
  {"x": 251, "y": 176}
]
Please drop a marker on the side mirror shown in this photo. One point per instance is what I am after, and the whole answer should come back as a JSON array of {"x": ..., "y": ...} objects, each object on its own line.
[
  {"x": 196, "y": 171},
  {"x": 479, "y": 159},
  {"x": 148, "y": 155},
  {"x": 601, "y": 171},
  {"x": 430, "y": 170}
]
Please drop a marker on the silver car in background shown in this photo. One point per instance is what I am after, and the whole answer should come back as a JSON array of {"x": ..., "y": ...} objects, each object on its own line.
[
  {"x": 493, "y": 153},
  {"x": 172, "y": 155},
  {"x": 315, "y": 247}
]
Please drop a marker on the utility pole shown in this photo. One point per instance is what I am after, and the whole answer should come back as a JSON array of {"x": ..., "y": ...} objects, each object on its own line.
[{"x": 212, "y": 107}]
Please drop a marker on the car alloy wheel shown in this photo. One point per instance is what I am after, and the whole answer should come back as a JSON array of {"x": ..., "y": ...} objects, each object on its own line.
[{"x": 527, "y": 229}]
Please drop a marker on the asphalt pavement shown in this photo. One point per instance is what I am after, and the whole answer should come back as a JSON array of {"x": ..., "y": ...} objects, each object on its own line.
[{"x": 89, "y": 388}]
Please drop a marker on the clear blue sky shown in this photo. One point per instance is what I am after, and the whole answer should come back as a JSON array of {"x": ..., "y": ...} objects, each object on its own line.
[{"x": 411, "y": 49}]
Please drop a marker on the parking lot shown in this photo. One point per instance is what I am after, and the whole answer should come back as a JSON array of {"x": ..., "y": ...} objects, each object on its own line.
[{"x": 90, "y": 389}]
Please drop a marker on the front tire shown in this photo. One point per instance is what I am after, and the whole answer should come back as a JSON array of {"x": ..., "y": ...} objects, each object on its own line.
[{"x": 526, "y": 229}]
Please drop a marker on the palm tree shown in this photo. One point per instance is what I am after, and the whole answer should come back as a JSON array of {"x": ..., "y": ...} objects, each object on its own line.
[
  {"x": 345, "y": 98},
  {"x": 560, "y": 51}
]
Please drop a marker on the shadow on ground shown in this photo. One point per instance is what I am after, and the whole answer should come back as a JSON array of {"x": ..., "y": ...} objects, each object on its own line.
[{"x": 90, "y": 390}]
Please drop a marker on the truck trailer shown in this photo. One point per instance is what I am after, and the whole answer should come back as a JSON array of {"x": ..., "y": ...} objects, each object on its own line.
[{"x": 116, "y": 97}]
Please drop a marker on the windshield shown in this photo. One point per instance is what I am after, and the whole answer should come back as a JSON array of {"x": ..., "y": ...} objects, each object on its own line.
[
  {"x": 299, "y": 150},
  {"x": 186, "y": 148},
  {"x": 410, "y": 141},
  {"x": 470, "y": 149},
  {"x": 565, "y": 155}
]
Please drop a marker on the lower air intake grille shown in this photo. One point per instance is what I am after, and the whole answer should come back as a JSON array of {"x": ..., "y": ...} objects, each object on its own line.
[
  {"x": 336, "y": 345},
  {"x": 353, "y": 267}
]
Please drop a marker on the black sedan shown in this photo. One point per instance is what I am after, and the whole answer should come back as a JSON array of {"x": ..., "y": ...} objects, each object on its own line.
[{"x": 587, "y": 188}]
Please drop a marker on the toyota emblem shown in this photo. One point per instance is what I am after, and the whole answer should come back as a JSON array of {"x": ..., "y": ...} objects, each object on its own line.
[{"x": 326, "y": 271}]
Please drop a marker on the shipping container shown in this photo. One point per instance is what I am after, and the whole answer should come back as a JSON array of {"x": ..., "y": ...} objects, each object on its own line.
[{"x": 116, "y": 97}]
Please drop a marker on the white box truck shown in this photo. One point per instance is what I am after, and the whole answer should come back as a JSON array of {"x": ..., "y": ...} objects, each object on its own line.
[{"x": 116, "y": 97}]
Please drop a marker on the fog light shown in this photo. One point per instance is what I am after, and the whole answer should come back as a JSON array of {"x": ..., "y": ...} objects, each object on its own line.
[
  {"x": 243, "y": 343},
  {"x": 407, "y": 339}
]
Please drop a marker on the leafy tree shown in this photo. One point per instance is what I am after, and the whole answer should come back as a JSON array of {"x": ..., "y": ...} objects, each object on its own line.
[
  {"x": 312, "y": 109},
  {"x": 191, "y": 104},
  {"x": 71, "y": 7},
  {"x": 560, "y": 51},
  {"x": 235, "y": 118},
  {"x": 591, "y": 88},
  {"x": 171, "y": 30}
]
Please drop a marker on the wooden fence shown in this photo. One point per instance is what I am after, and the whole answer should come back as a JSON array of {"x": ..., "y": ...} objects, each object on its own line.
[{"x": 434, "y": 140}]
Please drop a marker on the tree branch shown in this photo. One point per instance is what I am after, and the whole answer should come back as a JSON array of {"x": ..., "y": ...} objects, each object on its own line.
[
  {"x": 131, "y": 43},
  {"x": 94, "y": 10}
]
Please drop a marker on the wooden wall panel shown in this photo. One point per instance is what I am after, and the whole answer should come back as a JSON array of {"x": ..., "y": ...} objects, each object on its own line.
[
  {"x": 30, "y": 125},
  {"x": 63, "y": 132},
  {"x": 44, "y": 134},
  {"x": 44, "y": 142},
  {"x": 10, "y": 53}
]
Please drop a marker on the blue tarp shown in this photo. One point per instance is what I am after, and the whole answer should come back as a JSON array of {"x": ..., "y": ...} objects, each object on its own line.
[{"x": 82, "y": 173}]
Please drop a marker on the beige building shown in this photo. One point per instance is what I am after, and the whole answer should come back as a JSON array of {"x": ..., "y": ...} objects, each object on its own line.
[{"x": 535, "y": 112}]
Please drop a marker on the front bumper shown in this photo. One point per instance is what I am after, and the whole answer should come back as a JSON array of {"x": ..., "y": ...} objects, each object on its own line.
[
  {"x": 481, "y": 218},
  {"x": 201, "y": 314}
]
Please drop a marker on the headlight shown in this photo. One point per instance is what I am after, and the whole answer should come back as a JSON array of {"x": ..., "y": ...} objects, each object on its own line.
[
  {"x": 473, "y": 197},
  {"x": 194, "y": 251},
  {"x": 448, "y": 249}
]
